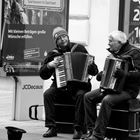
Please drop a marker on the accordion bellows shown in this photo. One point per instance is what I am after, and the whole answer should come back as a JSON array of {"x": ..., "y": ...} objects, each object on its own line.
[
  {"x": 73, "y": 67},
  {"x": 108, "y": 81}
]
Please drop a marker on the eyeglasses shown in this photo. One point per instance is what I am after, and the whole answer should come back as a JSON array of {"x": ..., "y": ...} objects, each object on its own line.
[{"x": 62, "y": 37}]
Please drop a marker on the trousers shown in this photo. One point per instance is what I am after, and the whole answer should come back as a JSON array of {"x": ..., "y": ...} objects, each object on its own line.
[
  {"x": 50, "y": 97},
  {"x": 108, "y": 100}
]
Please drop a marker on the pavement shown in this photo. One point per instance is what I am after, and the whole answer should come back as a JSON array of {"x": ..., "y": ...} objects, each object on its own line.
[{"x": 34, "y": 130}]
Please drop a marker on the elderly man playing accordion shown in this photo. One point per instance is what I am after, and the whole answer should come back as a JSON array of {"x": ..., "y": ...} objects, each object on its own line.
[
  {"x": 119, "y": 47},
  {"x": 74, "y": 88}
]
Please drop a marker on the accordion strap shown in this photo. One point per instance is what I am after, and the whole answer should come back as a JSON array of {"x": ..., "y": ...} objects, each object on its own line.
[{"x": 74, "y": 47}]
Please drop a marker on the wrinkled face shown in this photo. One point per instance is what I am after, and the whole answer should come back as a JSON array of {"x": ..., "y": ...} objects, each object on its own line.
[
  {"x": 114, "y": 44},
  {"x": 62, "y": 41}
]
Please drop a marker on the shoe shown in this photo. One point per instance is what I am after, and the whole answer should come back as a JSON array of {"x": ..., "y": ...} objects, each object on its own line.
[
  {"x": 51, "y": 132},
  {"x": 77, "y": 134},
  {"x": 87, "y": 135}
]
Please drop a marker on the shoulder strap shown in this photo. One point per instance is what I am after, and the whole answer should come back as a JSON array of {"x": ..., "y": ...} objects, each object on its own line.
[
  {"x": 55, "y": 51},
  {"x": 79, "y": 48},
  {"x": 74, "y": 47}
]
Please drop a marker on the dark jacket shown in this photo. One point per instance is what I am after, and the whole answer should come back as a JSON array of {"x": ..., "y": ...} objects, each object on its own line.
[
  {"x": 46, "y": 73},
  {"x": 132, "y": 82}
]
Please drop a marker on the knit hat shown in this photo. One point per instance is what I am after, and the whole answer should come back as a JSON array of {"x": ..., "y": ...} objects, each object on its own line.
[{"x": 58, "y": 31}]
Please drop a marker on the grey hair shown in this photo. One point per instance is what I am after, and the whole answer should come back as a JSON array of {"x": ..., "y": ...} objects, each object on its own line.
[{"x": 119, "y": 36}]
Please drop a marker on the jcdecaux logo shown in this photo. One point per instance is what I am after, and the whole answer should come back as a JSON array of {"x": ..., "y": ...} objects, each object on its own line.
[{"x": 29, "y": 86}]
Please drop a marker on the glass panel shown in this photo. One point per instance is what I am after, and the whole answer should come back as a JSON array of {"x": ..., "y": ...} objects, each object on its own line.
[
  {"x": 27, "y": 34},
  {"x": 132, "y": 21}
]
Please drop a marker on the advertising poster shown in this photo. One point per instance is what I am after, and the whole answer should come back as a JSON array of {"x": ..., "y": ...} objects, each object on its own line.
[
  {"x": 132, "y": 21},
  {"x": 27, "y": 33}
]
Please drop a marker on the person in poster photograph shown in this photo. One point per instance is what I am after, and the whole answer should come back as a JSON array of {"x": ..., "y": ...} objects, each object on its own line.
[
  {"x": 14, "y": 12},
  {"x": 29, "y": 26}
]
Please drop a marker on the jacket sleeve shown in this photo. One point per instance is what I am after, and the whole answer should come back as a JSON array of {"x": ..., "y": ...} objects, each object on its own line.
[
  {"x": 136, "y": 59},
  {"x": 45, "y": 72},
  {"x": 134, "y": 76}
]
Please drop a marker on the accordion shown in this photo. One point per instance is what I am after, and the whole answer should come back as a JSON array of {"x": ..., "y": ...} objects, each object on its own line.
[
  {"x": 72, "y": 67},
  {"x": 108, "y": 81}
]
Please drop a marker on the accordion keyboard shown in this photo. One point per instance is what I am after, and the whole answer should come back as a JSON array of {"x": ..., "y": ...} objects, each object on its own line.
[{"x": 60, "y": 74}]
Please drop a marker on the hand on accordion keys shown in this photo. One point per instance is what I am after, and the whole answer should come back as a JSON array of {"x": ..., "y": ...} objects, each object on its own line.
[
  {"x": 53, "y": 64},
  {"x": 119, "y": 73}
]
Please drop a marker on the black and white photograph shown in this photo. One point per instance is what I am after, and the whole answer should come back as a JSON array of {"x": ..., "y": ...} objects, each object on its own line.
[{"x": 70, "y": 70}]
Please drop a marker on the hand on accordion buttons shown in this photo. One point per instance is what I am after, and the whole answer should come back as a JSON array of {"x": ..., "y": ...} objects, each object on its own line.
[{"x": 119, "y": 73}]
